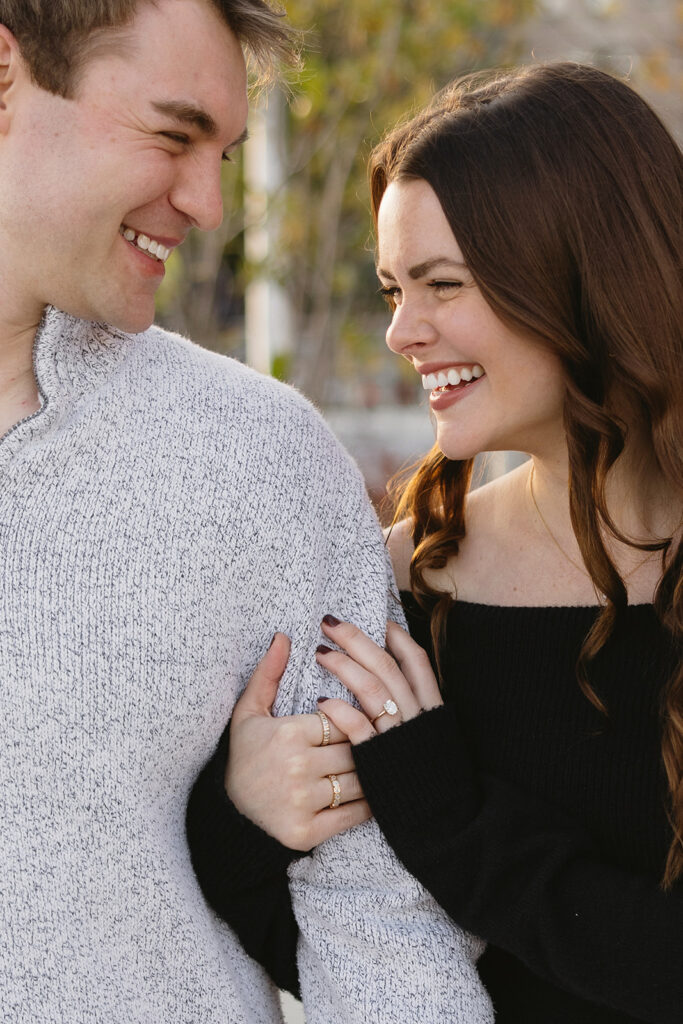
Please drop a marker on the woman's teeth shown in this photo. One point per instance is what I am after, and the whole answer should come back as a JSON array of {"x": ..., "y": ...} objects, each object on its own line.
[
  {"x": 146, "y": 244},
  {"x": 451, "y": 377}
]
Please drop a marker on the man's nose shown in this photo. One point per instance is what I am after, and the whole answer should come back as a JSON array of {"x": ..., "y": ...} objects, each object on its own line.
[{"x": 198, "y": 194}]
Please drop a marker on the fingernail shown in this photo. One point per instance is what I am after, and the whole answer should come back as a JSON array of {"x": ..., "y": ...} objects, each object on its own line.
[
  {"x": 330, "y": 620},
  {"x": 272, "y": 641},
  {"x": 322, "y": 649},
  {"x": 321, "y": 700}
]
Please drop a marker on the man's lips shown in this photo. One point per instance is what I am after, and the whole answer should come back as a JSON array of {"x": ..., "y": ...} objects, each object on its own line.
[{"x": 159, "y": 247}]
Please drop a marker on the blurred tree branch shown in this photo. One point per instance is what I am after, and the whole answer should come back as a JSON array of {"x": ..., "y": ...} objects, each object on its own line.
[{"x": 367, "y": 63}]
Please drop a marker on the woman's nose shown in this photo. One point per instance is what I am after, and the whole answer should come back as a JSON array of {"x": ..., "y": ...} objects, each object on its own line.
[{"x": 409, "y": 330}]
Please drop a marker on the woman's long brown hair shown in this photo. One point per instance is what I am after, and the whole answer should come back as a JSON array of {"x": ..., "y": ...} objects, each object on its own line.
[{"x": 564, "y": 191}]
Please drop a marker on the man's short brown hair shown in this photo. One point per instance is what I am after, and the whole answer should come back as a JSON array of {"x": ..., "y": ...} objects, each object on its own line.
[{"x": 56, "y": 37}]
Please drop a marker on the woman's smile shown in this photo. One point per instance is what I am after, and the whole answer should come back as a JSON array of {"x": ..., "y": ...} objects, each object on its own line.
[{"x": 444, "y": 326}]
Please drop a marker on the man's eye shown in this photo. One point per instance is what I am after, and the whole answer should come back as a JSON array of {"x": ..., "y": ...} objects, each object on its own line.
[{"x": 183, "y": 140}]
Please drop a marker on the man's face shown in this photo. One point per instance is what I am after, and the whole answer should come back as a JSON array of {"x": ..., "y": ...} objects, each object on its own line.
[{"x": 136, "y": 155}]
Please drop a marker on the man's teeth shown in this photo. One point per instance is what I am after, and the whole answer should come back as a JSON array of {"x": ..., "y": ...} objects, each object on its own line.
[
  {"x": 147, "y": 244},
  {"x": 443, "y": 378}
]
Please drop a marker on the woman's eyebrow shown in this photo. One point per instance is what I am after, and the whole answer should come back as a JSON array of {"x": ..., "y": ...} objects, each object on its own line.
[{"x": 420, "y": 269}]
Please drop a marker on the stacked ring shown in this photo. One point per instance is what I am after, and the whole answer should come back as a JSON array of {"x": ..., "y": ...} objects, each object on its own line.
[
  {"x": 336, "y": 791},
  {"x": 325, "y": 722}
]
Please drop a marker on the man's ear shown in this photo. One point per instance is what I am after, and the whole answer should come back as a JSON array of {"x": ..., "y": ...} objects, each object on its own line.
[{"x": 11, "y": 65}]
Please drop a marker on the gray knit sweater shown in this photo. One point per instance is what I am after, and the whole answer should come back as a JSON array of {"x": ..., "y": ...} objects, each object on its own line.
[{"x": 162, "y": 515}]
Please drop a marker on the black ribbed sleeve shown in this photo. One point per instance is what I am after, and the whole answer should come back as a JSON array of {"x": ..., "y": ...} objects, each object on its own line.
[
  {"x": 243, "y": 873},
  {"x": 536, "y": 822},
  {"x": 552, "y": 854}
]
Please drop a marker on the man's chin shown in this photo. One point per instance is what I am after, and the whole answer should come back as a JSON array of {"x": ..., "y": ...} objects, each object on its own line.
[
  {"x": 133, "y": 328},
  {"x": 128, "y": 321}
]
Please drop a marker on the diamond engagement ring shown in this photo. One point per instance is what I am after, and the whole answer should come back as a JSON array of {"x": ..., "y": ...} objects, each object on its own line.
[
  {"x": 389, "y": 707},
  {"x": 336, "y": 791}
]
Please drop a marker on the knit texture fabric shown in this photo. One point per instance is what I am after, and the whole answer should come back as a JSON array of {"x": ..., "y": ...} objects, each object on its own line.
[
  {"x": 536, "y": 821},
  {"x": 164, "y": 513}
]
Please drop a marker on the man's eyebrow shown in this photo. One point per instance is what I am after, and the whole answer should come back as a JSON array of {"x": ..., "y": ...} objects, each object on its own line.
[
  {"x": 421, "y": 269},
  {"x": 188, "y": 113},
  {"x": 240, "y": 140}
]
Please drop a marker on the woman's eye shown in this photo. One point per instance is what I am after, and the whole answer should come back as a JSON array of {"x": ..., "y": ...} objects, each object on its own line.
[
  {"x": 389, "y": 293},
  {"x": 444, "y": 286}
]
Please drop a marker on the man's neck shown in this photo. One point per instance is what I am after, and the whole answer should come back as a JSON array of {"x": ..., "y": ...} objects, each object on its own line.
[{"x": 18, "y": 387}]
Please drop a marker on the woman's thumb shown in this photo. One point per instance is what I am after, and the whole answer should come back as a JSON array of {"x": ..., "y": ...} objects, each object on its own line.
[{"x": 260, "y": 692}]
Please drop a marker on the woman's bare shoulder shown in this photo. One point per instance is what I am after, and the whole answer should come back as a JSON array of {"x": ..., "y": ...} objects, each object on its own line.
[
  {"x": 494, "y": 516},
  {"x": 400, "y": 544}
]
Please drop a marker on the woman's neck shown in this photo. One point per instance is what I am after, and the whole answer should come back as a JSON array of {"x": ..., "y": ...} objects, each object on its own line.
[{"x": 638, "y": 499}]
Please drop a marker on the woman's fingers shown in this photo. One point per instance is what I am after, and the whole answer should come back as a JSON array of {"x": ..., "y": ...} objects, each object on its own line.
[
  {"x": 373, "y": 687},
  {"x": 335, "y": 759},
  {"x": 335, "y": 789},
  {"x": 402, "y": 673},
  {"x": 415, "y": 666},
  {"x": 330, "y": 823},
  {"x": 349, "y": 720},
  {"x": 318, "y": 735}
]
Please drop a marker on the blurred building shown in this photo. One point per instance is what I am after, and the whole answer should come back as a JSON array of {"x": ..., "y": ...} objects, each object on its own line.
[{"x": 641, "y": 39}]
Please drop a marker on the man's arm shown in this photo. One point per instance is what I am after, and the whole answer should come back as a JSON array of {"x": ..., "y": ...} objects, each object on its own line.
[{"x": 374, "y": 945}]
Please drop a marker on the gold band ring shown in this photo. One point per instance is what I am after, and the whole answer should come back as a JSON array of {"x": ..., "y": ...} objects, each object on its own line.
[
  {"x": 336, "y": 791},
  {"x": 325, "y": 722},
  {"x": 389, "y": 707}
]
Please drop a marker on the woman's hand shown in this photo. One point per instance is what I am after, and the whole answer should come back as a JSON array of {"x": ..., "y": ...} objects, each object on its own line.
[
  {"x": 281, "y": 772},
  {"x": 391, "y": 685}
]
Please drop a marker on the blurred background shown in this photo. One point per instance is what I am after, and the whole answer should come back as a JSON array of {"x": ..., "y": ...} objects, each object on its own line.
[{"x": 288, "y": 284}]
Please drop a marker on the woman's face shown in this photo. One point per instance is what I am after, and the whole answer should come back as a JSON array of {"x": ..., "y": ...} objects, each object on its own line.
[{"x": 491, "y": 389}]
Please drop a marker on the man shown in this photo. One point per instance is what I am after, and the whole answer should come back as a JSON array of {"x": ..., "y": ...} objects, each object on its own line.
[{"x": 163, "y": 511}]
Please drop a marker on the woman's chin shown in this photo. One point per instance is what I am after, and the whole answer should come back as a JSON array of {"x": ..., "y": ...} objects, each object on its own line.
[{"x": 456, "y": 452}]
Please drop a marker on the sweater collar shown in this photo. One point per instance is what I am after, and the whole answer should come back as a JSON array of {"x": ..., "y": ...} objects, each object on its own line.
[{"x": 71, "y": 358}]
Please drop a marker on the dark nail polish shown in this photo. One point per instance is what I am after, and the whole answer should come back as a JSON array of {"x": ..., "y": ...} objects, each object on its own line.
[
  {"x": 321, "y": 700},
  {"x": 322, "y": 649},
  {"x": 330, "y": 620}
]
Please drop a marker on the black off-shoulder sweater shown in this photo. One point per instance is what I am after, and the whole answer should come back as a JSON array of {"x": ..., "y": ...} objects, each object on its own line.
[{"x": 535, "y": 821}]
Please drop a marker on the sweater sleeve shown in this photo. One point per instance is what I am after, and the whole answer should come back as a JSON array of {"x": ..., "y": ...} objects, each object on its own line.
[
  {"x": 360, "y": 913},
  {"x": 351, "y": 908},
  {"x": 242, "y": 872},
  {"x": 522, "y": 874}
]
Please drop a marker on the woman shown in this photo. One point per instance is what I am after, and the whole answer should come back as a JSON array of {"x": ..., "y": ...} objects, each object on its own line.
[{"x": 528, "y": 237}]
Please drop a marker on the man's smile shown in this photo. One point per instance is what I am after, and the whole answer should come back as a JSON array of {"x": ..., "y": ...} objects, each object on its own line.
[{"x": 145, "y": 243}]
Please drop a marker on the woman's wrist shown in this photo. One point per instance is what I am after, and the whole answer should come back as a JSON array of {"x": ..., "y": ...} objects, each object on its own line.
[{"x": 413, "y": 771}]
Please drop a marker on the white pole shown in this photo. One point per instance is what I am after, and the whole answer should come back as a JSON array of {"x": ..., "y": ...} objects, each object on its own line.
[{"x": 267, "y": 307}]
